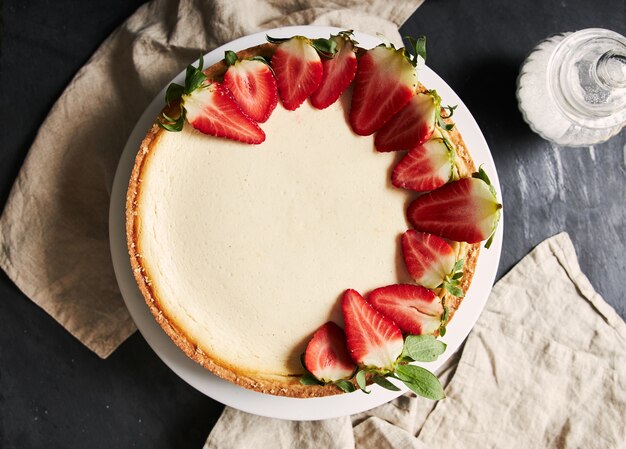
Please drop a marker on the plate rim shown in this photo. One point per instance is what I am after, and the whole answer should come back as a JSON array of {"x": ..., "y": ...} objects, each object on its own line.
[{"x": 235, "y": 395}]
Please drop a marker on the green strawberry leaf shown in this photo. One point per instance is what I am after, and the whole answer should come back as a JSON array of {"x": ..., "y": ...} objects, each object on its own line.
[
  {"x": 454, "y": 290},
  {"x": 260, "y": 59},
  {"x": 423, "y": 348},
  {"x": 195, "y": 82},
  {"x": 452, "y": 282},
  {"x": 383, "y": 382},
  {"x": 421, "y": 381},
  {"x": 361, "y": 381},
  {"x": 310, "y": 379},
  {"x": 194, "y": 76},
  {"x": 453, "y": 279},
  {"x": 490, "y": 241},
  {"x": 325, "y": 47},
  {"x": 230, "y": 57},
  {"x": 276, "y": 40},
  {"x": 174, "y": 92},
  {"x": 419, "y": 49},
  {"x": 345, "y": 385},
  {"x": 481, "y": 174}
]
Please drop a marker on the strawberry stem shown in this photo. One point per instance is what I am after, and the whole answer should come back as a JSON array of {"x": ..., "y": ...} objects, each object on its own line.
[
  {"x": 444, "y": 319},
  {"x": 347, "y": 35},
  {"x": 345, "y": 385}
]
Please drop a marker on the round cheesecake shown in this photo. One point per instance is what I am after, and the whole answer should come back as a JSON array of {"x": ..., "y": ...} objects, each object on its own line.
[{"x": 243, "y": 251}]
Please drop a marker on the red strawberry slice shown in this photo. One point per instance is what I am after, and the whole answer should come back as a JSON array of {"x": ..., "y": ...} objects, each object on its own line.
[
  {"x": 464, "y": 211},
  {"x": 425, "y": 167},
  {"x": 326, "y": 355},
  {"x": 373, "y": 339},
  {"x": 429, "y": 259},
  {"x": 212, "y": 110},
  {"x": 209, "y": 107},
  {"x": 385, "y": 82},
  {"x": 253, "y": 85},
  {"x": 338, "y": 72},
  {"x": 412, "y": 126},
  {"x": 298, "y": 70},
  {"x": 415, "y": 309}
]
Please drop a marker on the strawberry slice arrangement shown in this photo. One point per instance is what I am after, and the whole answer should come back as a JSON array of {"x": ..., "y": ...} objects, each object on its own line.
[
  {"x": 210, "y": 108},
  {"x": 298, "y": 67},
  {"x": 396, "y": 324},
  {"x": 376, "y": 344},
  {"x": 386, "y": 79}
]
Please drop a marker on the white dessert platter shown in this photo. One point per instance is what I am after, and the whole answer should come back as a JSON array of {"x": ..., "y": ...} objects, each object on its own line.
[{"x": 278, "y": 406}]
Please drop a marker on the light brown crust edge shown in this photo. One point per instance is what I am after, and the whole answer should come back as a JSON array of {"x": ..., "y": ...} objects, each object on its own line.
[{"x": 291, "y": 386}]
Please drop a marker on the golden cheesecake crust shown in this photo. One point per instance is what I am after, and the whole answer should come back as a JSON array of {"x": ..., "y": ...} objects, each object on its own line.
[{"x": 276, "y": 385}]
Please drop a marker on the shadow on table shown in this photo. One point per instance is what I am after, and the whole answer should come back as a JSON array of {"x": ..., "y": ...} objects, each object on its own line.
[{"x": 488, "y": 90}]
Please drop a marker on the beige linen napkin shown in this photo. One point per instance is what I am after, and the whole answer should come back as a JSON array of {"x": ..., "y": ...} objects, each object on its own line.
[
  {"x": 544, "y": 367},
  {"x": 54, "y": 229}
]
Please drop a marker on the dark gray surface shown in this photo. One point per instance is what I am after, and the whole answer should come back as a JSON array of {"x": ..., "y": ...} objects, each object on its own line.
[{"x": 55, "y": 393}]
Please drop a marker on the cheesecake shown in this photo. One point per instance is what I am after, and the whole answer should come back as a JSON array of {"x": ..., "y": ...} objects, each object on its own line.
[{"x": 242, "y": 251}]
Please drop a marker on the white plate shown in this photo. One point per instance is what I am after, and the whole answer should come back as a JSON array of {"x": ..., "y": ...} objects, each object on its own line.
[{"x": 258, "y": 403}]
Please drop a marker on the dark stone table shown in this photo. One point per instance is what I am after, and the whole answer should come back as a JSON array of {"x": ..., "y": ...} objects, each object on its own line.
[{"x": 55, "y": 393}]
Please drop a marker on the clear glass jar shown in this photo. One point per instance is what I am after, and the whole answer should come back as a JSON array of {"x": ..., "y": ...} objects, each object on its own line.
[{"x": 572, "y": 87}]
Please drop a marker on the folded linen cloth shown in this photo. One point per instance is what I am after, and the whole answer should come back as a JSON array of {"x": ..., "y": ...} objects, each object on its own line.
[
  {"x": 54, "y": 241},
  {"x": 544, "y": 367}
]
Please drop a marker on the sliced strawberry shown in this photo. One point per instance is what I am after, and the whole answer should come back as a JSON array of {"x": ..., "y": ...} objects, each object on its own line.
[
  {"x": 464, "y": 211},
  {"x": 209, "y": 107},
  {"x": 338, "y": 72},
  {"x": 298, "y": 70},
  {"x": 415, "y": 309},
  {"x": 425, "y": 167},
  {"x": 385, "y": 81},
  {"x": 326, "y": 355},
  {"x": 373, "y": 339},
  {"x": 253, "y": 85},
  {"x": 212, "y": 110},
  {"x": 412, "y": 126},
  {"x": 429, "y": 259}
]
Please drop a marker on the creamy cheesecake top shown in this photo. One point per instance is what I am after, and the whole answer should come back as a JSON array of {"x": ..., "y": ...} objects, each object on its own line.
[{"x": 248, "y": 248}]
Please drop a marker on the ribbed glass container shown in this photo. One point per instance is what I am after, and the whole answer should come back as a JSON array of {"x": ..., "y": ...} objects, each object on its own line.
[{"x": 572, "y": 87}]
